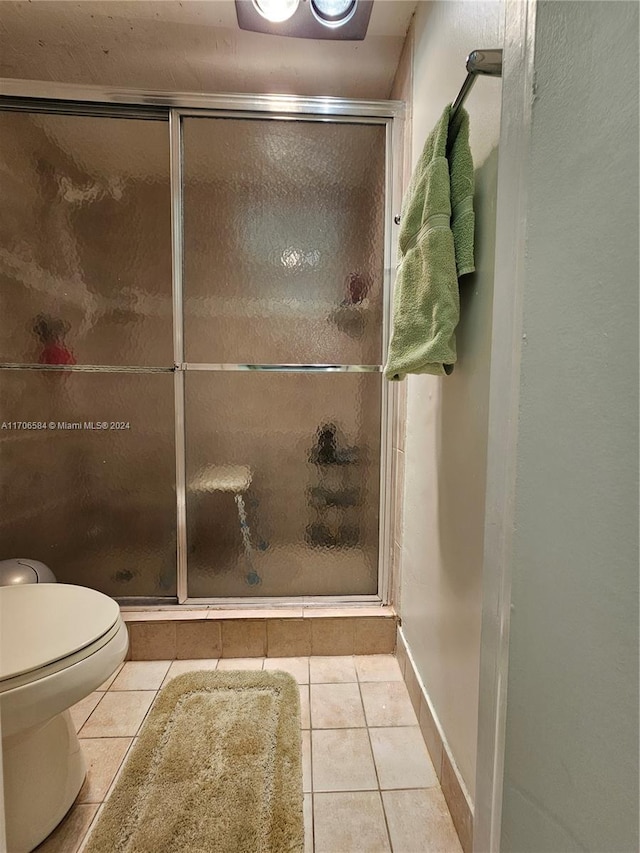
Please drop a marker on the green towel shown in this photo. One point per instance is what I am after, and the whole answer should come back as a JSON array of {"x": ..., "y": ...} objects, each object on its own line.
[{"x": 435, "y": 249}]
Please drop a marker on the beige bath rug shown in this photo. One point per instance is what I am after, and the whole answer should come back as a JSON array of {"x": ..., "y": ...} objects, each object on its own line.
[{"x": 216, "y": 769}]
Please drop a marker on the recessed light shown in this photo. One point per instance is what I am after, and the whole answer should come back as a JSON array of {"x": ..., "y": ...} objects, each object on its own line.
[
  {"x": 333, "y": 13},
  {"x": 276, "y": 10}
]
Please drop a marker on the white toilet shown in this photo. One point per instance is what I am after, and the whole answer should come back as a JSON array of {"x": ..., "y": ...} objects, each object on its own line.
[{"x": 58, "y": 643}]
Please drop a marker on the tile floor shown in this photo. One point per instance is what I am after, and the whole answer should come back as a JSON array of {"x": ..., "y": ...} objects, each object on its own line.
[{"x": 369, "y": 784}]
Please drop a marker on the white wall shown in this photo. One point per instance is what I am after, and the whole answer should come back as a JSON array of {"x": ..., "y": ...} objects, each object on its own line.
[
  {"x": 446, "y": 438},
  {"x": 571, "y": 757}
]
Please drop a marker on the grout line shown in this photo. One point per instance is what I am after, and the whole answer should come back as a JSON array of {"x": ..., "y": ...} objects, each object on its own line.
[
  {"x": 311, "y": 793},
  {"x": 102, "y": 693},
  {"x": 375, "y": 767}
]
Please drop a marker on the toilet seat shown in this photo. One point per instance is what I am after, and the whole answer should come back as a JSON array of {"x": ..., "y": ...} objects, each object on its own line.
[{"x": 47, "y": 627}]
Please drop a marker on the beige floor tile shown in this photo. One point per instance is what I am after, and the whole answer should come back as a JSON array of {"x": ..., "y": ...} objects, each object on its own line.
[
  {"x": 378, "y": 668},
  {"x": 107, "y": 684},
  {"x": 306, "y": 761},
  {"x": 349, "y": 823},
  {"x": 68, "y": 835},
  {"x": 308, "y": 823},
  {"x": 336, "y": 706},
  {"x": 305, "y": 713},
  {"x": 342, "y": 761},
  {"x": 331, "y": 670},
  {"x": 240, "y": 663},
  {"x": 104, "y": 757},
  {"x": 401, "y": 758},
  {"x": 387, "y": 703},
  {"x": 82, "y": 710},
  {"x": 297, "y": 667},
  {"x": 419, "y": 821},
  {"x": 141, "y": 675},
  {"x": 179, "y": 667},
  {"x": 120, "y": 714}
]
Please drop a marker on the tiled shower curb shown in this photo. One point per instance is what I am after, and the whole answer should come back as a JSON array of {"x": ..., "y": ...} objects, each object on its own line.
[{"x": 210, "y": 633}]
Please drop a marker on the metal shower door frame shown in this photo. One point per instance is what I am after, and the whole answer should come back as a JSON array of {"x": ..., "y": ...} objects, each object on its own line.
[{"x": 73, "y": 98}]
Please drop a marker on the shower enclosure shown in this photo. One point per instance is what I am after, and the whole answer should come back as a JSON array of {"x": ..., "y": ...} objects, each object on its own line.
[{"x": 195, "y": 295}]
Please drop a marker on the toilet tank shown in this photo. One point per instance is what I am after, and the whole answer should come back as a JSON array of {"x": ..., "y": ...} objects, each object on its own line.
[{"x": 23, "y": 570}]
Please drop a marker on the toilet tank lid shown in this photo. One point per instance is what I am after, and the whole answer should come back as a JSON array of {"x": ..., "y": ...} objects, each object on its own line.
[{"x": 43, "y": 623}]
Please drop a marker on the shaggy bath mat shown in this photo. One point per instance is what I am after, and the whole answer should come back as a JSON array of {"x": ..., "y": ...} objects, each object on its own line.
[{"x": 216, "y": 769}]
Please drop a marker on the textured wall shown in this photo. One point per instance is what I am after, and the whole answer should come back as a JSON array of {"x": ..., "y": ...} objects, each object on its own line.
[
  {"x": 446, "y": 437},
  {"x": 571, "y": 762}
]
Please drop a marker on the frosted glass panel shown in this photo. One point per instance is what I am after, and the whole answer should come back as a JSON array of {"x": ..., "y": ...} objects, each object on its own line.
[
  {"x": 85, "y": 265},
  {"x": 96, "y": 505},
  {"x": 283, "y": 478},
  {"x": 283, "y": 241}
]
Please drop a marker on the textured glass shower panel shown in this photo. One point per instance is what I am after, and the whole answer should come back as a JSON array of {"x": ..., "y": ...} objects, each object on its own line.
[
  {"x": 283, "y": 476},
  {"x": 96, "y": 505},
  {"x": 85, "y": 237},
  {"x": 283, "y": 241}
]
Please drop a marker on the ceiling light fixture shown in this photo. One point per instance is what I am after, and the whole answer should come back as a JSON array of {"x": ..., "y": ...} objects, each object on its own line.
[
  {"x": 331, "y": 20},
  {"x": 333, "y": 13},
  {"x": 276, "y": 11}
]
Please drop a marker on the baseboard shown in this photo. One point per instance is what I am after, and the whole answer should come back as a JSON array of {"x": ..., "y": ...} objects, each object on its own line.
[{"x": 452, "y": 784}]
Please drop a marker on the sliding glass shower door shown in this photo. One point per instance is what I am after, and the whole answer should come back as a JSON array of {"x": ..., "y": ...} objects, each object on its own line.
[
  {"x": 87, "y": 472},
  {"x": 192, "y": 307},
  {"x": 283, "y": 304}
]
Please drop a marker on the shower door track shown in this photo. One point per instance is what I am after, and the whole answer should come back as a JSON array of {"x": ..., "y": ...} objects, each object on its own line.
[{"x": 43, "y": 96}]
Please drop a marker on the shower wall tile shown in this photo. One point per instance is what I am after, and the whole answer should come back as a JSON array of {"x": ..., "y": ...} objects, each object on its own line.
[
  {"x": 333, "y": 636},
  {"x": 152, "y": 640},
  {"x": 288, "y": 637},
  {"x": 198, "y": 640},
  {"x": 245, "y": 638}
]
